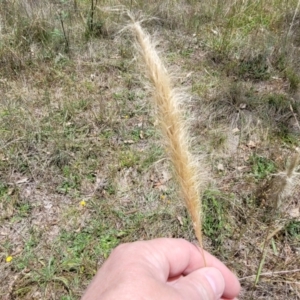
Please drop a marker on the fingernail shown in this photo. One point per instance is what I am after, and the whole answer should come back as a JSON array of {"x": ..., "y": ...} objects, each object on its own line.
[{"x": 216, "y": 280}]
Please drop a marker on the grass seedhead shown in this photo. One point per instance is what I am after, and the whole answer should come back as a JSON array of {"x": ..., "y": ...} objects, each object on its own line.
[
  {"x": 168, "y": 106},
  {"x": 282, "y": 184},
  {"x": 249, "y": 67}
]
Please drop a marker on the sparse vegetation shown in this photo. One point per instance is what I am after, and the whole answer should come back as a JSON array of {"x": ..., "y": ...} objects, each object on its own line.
[{"x": 82, "y": 164}]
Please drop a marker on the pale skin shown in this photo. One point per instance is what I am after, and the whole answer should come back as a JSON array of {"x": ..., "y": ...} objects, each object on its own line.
[{"x": 162, "y": 269}]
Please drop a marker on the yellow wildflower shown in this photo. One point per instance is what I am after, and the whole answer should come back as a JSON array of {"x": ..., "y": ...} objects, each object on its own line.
[
  {"x": 82, "y": 203},
  {"x": 8, "y": 259}
]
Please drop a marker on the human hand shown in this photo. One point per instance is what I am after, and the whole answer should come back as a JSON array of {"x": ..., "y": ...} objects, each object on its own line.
[{"x": 162, "y": 269}]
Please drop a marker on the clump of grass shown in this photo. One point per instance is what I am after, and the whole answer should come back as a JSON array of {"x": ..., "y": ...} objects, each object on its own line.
[
  {"x": 168, "y": 103},
  {"x": 128, "y": 159},
  {"x": 292, "y": 78},
  {"x": 261, "y": 166},
  {"x": 255, "y": 68},
  {"x": 282, "y": 115},
  {"x": 279, "y": 103},
  {"x": 215, "y": 224},
  {"x": 94, "y": 26},
  {"x": 293, "y": 229}
]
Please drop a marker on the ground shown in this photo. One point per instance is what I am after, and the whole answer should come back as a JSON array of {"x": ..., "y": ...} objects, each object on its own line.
[{"x": 83, "y": 166}]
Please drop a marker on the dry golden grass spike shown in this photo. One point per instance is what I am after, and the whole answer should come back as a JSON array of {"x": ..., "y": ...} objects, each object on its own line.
[{"x": 167, "y": 104}]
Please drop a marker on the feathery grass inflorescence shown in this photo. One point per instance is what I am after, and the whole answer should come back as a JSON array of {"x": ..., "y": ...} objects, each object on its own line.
[
  {"x": 167, "y": 101},
  {"x": 284, "y": 182}
]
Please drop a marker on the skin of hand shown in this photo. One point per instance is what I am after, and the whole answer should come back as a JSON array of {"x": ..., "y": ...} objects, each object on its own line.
[{"x": 162, "y": 269}]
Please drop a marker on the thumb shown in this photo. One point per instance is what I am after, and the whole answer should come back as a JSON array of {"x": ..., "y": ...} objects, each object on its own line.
[{"x": 202, "y": 284}]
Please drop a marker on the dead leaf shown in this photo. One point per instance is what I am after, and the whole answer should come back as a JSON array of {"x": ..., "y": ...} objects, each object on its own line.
[
  {"x": 243, "y": 147},
  {"x": 166, "y": 176},
  {"x": 3, "y": 158},
  {"x": 27, "y": 192},
  {"x": 180, "y": 220},
  {"x": 10, "y": 191},
  {"x": 4, "y": 232},
  {"x": 101, "y": 182},
  {"x": 294, "y": 212},
  {"x": 241, "y": 168},
  {"x": 23, "y": 180},
  {"x": 215, "y": 32},
  {"x": 220, "y": 167},
  {"x": 235, "y": 130},
  {"x": 17, "y": 251},
  {"x": 160, "y": 186},
  {"x": 48, "y": 205},
  {"x": 129, "y": 142},
  {"x": 251, "y": 144},
  {"x": 142, "y": 134}
]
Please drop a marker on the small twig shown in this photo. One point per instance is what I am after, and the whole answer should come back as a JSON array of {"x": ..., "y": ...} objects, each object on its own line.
[
  {"x": 295, "y": 116},
  {"x": 271, "y": 273},
  {"x": 11, "y": 142},
  {"x": 261, "y": 264},
  {"x": 67, "y": 45},
  {"x": 92, "y": 16},
  {"x": 75, "y": 6},
  {"x": 133, "y": 211},
  {"x": 294, "y": 17},
  {"x": 270, "y": 236}
]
